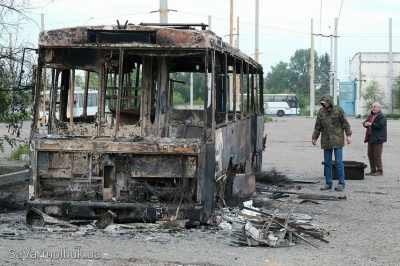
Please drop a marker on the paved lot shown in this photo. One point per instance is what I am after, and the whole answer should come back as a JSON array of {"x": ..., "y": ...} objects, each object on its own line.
[{"x": 363, "y": 229}]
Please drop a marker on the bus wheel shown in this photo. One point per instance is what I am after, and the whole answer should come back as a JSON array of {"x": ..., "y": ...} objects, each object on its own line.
[{"x": 280, "y": 113}]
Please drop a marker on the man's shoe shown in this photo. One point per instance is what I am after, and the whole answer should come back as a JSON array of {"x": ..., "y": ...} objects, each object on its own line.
[
  {"x": 377, "y": 174},
  {"x": 339, "y": 187},
  {"x": 326, "y": 187},
  {"x": 370, "y": 173}
]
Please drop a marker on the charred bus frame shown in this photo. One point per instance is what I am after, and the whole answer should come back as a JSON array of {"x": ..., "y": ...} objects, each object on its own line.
[{"x": 141, "y": 156}]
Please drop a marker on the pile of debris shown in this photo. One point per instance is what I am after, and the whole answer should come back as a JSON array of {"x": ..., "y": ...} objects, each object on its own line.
[
  {"x": 253, "y": 227},
  {"x": 272, "y": 229}
]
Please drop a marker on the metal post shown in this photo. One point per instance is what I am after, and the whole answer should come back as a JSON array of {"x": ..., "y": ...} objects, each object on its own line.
[
  {"x": 331, "y": 70},
  {"x": 335, "y": 83},
  {"x": 44, "y": 84},
  {"x": 231, "y": 24},
  {"x": 237, "y": 33},
  {"x": 256, "y": 52},
  {"x": 191, "y": 90},
  {"x": 390, "y": 74},
  {"x": 11, "y": 69},
  {"x": 312, "y": 89},
  {"x": 163, "y": 11}
]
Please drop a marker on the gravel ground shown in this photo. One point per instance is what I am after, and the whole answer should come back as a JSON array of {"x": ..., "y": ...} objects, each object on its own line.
[{"x": 363, "y": 230}]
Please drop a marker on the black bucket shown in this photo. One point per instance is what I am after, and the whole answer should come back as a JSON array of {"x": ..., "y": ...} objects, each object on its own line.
[{"x": 352, "y": 170}]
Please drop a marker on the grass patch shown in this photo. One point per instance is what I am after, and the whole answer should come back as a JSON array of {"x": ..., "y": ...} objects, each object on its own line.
[{"x": 21, "y": 149}]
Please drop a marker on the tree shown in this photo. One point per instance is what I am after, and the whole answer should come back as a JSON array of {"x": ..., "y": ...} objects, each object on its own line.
[
  {"x": 16, "y": 68},
  {"x": 322, "y": 72},
  {"x": 300, "y": 65},
  {"x": 279, "y": 79},
  {"x": 373, "y": 93},
  {"x": 183, "y": 86},
  {"x": 396, "y": 93},
  {"x": 294, "y": 77}
]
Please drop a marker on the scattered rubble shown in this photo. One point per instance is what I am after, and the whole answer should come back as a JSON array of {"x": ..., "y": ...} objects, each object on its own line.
[
  {"x": 106, "y": 219},
  {"x": 306, "y": 196},
  {"x": 248, "y": 222},
  {"x": 274, "y": 230}
]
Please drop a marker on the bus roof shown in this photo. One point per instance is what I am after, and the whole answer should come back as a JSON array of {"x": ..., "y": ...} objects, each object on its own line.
[
  {"x": 139, "y": 37},
  {"x": 280, "y": 94},
  {"x": 280, "y": 97}
]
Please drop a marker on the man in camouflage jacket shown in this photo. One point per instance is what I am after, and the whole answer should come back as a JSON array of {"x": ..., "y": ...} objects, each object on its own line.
[{"x": 332, "y": 124}]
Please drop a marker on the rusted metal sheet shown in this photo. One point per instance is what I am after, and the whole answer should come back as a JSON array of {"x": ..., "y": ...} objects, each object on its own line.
[{"x": 175, "y": 147}]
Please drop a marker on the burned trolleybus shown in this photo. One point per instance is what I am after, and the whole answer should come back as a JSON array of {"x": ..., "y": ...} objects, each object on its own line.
[{"x": 142, "y": 155}]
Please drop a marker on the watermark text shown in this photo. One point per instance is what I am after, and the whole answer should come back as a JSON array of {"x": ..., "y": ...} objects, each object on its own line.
[{"x": 56, "y": 254}]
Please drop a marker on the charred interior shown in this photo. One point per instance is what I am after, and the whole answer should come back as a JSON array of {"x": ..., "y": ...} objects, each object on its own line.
[{"x": 150, "y": 122}]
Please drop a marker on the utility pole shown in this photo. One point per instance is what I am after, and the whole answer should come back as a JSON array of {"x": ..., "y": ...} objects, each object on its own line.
[
  {"x": 44, "y": 82},
  {"x": 312, "y": 89},
  {"x": 191, "y": 91},
  {"x": 11, "y": 76},
  {"x": 42, "y": 15},
  {"x": 231, "y": 24},
  {"x": 164, "y": 11},
  {"x": 331, "y": 68},
  {"x": 335, "y": 83},
  {"x": 390, "y": 74},
  {"x": 237, "y": 33},
  {"x": 256, "y": 50}
]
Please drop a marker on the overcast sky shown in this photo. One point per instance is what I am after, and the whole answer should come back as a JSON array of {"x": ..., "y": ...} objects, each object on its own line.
[{"x": 284, "y": 25}]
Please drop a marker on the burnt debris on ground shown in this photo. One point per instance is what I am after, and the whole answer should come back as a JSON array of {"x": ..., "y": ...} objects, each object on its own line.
[{"x": 251, "y": 221}]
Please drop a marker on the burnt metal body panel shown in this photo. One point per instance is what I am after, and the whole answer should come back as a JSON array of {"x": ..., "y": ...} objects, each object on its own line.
[{"x": 138, "y": 155}]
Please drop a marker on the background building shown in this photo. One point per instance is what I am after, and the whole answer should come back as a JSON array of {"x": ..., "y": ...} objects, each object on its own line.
[{"x": 364, "y": 68}]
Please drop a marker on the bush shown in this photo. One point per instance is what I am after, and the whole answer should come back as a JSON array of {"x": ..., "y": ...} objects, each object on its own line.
[
  {"x": 393, "y": 116},
  {"x": 304, "y": 112},
  {"x": 267, "y": 118}
]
